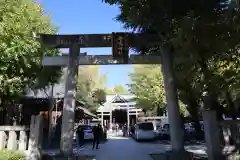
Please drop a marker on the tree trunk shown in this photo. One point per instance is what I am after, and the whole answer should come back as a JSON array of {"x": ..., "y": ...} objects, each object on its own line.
[
  {"x": 193, "y": 111},
  {"x": 176, "y": 130},
  {"x": 8, "y": 117},
  {"x": 212, "y": 97},
  {"x": 231, "y": 106}
]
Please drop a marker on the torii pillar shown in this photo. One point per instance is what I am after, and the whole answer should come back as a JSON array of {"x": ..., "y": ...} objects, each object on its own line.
[{"x": 69, "y": 105}]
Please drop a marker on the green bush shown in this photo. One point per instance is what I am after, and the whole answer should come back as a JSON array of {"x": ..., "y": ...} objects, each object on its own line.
[{"x": 11, "y": 155}]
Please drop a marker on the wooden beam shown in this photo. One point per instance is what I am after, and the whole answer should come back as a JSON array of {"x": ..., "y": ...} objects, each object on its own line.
[
  {"x": 100, "y": 60},
  {"x": 97, "y": 40},
  {"x": 83, "y": 40}
]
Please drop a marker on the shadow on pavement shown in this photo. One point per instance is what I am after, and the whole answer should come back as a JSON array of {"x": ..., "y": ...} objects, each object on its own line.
[{"x": 75, "y": 157}]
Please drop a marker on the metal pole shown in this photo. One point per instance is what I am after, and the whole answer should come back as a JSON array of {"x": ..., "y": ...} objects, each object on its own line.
[
  {"x": 102, "y": 119},
  {"x": 67, "y": 133},
  {"x": 110, "y": 121},
  {"x": 136, "y": 117},
  {"x": 50, "y": 116},
  {"x": 56, "y": 112},
  {"x": 128, "y": 119}
]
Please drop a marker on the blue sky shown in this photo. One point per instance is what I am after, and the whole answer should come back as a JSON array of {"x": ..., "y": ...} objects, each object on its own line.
[{"x": 89, "y": 16}]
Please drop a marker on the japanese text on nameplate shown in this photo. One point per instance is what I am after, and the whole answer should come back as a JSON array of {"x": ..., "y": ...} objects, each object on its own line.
[{"x": 72, "y": 40}]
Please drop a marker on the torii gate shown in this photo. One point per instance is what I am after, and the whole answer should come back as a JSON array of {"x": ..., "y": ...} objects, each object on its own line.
[{"x": 120, "y": 45}]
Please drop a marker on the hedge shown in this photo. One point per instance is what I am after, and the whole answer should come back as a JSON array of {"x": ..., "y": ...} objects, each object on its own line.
[{"x": 11, "y": 155}]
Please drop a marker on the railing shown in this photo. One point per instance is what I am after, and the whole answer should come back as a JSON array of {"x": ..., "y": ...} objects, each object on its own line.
[
  {"x": 25, "y": 139},
  {"x": 14, "y": 138}
]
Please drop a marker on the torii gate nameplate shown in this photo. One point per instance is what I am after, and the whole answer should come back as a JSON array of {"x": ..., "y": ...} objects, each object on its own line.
[{"x": 83, "y": 40}]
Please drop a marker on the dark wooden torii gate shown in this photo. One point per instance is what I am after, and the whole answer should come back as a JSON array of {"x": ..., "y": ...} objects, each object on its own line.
[{"x": 120, "y": 43}]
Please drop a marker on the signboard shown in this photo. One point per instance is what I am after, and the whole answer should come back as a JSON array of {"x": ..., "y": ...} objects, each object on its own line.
[
  {"x": 83, "y": 40},
  {"x": 120, "y": 46}
]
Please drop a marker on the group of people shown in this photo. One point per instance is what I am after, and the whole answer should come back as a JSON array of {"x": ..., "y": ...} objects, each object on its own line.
[
  {"x": 97, "y": 135},
  {"x": 124, "y": 128}
]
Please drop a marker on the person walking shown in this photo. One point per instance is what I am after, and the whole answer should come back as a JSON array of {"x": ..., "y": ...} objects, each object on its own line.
[
  {"x": 117, "y": 127},
  {"x": 97, "y": 136},
  {"x": 80, "y": 134}
]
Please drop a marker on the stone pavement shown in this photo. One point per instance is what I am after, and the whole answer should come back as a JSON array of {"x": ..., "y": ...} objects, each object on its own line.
[
  {"x": 125, "y": 148},
  {"x": 119, "y": 148}
]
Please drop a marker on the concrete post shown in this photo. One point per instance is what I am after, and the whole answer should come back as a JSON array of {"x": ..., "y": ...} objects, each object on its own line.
[
  {"x": 12, "y": 141},
  {"x": 22, "y": 141},
  {"x": 35, "y": 141},
  {"x": 3, "y": 138},
  {"x": 67, "y": 133},
  {"x": 212, "y": 136},
  {"x": 176, "y": 128},
  {"x": 128, "y": 119}
]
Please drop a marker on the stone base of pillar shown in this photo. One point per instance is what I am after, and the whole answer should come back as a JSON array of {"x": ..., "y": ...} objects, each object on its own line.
[
  {"x": 62, "y": 157},
  {"x": 172, "y": 155}
]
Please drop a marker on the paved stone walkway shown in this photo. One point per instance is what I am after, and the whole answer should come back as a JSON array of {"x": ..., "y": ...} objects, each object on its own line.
[
  {"x": 120, "y": 148},
  {"x": 124, "y": 148}
]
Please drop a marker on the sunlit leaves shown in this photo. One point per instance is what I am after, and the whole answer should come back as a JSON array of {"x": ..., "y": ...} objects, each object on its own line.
[
  {"x": 147, "y": 86},
  {"x": 199, "y": 31},
  {"x": 91, "y": 87},
  {"x": 20, "y": 52}
]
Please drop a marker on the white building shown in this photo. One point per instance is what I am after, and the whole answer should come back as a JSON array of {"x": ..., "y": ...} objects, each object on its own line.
[{"x": 119, "y": 108}]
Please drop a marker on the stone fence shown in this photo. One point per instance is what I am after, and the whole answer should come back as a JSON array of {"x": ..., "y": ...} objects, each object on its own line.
[
  {"x": 26, "y": 139},
  {"x": 14, "y": 137},
  {"x": 231, "y": 131},
  {"x": 221, "y": 135}
]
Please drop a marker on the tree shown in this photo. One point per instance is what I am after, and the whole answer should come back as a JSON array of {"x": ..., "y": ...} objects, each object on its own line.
[
  {"x": 147, "y": 86},
  {"x": 180, "y": 31},
  {"x": 118, "y": 89},
  {"x": 21, "y": 53},
  {"x": 91, "y": 86},
  {"x": 199, "y": 31}
]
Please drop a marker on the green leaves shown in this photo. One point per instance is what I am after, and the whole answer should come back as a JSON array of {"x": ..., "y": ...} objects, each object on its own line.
[
  {"x": 20, "y": 52},
  {"x": 205, "y": 39},
  {"x": 91, "y": 86},
  {"x": 117, "y": 90},
  {"x": 147, "y": 86}
]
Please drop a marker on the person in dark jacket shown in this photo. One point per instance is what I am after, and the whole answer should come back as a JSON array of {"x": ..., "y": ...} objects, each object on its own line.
[
  {"x": 80, "y": 133},
  {"x": 97, "y": 135},
  {"x": 124, "y": 130}
]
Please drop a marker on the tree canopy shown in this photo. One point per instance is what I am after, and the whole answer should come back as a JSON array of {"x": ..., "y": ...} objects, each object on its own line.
[
  {"x": 21, "y": 53},
  {"x": 147, "y": 86},
  {"x": 118, "y": 89},
  {"x": 91, "y": 86},
  {"x": 201, "y": 36}
]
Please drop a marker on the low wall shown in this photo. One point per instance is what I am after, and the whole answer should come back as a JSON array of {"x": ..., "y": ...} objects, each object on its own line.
[
  {"x": 26, "y": 139},
  {"x": 14, "y": 138}
]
